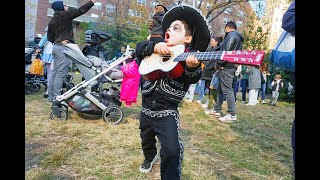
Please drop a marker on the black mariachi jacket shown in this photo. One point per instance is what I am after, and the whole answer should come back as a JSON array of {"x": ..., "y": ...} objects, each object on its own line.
[{"x": 164, "y": 93}]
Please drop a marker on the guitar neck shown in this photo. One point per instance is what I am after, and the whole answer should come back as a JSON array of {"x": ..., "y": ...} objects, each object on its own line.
[
  {"x": 246, "y": 57},
  {"x": 201, "y": 56}
]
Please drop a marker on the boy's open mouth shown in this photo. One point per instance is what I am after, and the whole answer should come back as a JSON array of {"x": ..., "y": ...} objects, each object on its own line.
[{"x": 166, "y": 37}]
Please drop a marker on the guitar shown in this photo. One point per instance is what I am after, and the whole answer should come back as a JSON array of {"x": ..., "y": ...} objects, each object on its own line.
[{"x": 156, "y": 66}]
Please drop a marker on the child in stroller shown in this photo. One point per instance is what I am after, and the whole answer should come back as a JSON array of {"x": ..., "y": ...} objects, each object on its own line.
[{"x": 96, "y": 72}]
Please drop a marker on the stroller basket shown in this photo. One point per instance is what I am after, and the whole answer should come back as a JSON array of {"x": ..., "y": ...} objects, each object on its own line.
[{"x": 81, "y": 104}]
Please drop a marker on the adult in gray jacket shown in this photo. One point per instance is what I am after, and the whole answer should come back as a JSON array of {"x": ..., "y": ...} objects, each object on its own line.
[
  {"x": 60, "y": 32},
  {"x": 232, "y": 41}
]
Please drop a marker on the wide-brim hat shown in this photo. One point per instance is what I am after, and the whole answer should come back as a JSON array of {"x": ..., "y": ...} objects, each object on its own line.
[{"x": 201, "y": 30}]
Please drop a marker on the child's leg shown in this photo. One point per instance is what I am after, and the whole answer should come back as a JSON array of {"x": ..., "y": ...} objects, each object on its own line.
[
  {"x": 272, "y": 97},
  {"x": 276, "y": 97}
]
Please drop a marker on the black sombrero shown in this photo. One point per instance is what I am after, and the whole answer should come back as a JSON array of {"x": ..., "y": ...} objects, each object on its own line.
[{"x": 194, "y": 17}]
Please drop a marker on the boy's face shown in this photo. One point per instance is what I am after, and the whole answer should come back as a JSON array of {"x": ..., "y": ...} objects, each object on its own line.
[{"x": 176, "y": 34}]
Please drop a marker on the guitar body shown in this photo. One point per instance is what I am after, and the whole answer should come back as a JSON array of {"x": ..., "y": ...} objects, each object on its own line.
[{"x": 156, "y": 66}]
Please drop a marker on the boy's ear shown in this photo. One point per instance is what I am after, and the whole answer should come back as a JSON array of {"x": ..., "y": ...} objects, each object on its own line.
[{"x": 187, "y": 39}]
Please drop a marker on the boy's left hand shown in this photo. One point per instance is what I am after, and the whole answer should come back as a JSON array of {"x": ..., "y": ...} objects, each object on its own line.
[{"x": 192, "y": 61}]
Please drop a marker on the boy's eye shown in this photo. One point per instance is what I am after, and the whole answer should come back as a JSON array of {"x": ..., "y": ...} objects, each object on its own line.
[{"x": 177, "y": 27}]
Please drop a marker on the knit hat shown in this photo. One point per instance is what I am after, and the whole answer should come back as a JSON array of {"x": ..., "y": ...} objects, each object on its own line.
[
  {"x": 201, "y": 30},
  {"x": 165, "y": 9},
  {"x": 57, "y": 6}
]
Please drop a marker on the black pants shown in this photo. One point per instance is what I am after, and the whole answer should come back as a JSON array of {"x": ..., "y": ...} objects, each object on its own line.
[{"x": 165, "y": 125}]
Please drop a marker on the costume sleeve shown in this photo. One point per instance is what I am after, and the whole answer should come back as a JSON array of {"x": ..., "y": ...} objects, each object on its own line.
[
  {"x": 288, "y": 19},
  {"x": 144, "y": 49},
  {"x": 74, "y": 12},
  {"x": 192, "y": 75}
]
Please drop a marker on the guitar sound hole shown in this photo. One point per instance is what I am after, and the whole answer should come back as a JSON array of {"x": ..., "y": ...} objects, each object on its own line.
[{"x": 166, "y": 58}]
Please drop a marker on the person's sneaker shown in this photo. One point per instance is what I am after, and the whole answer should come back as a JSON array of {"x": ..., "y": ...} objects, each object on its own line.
[
  {"x": 215, "y": 113},
  {"x": 228, "y": 118},
  {"x": 209, "y": 112},
  {"x": 243, "y": 102},
  {"x": 263, "y": 102},
  {"x": 146, "y": 166},
  {"x": 205, "y": 105},
  {"x": 199, "y": 102}
]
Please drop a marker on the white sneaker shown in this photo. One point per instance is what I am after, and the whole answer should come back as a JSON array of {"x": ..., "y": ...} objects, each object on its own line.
[
  {"x": 243, "y": 102},
  {"x": 215, "y": 113},
  {"x": 228, "y": 118},
  {"x": 209, "y": 112},
  {"x": 199, "y": 102},
  {"x": 263, "y": 102},
  {"x": 205, "y": 105}
]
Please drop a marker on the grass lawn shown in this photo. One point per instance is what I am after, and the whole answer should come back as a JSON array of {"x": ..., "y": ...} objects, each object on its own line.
[{"x": 258, "y": 146}]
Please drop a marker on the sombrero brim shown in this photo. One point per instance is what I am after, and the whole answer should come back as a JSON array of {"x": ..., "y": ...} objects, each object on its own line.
[{"x": 195, "y": 19}]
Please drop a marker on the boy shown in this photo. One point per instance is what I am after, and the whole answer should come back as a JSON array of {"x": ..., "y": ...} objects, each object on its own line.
[
  {"x": 182, "y": 24},
  {"x": 276, "y": 86}
]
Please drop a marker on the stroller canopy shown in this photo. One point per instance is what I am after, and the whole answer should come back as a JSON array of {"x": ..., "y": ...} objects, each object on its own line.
[{"x": 96, "y": 36}]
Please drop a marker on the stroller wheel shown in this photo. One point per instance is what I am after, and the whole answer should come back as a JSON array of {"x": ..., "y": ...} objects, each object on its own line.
[
  {"x": 112, "y": 114},
  {"x": 63, "y": 112},
  {"x": 29, "y": 87},
  {"x": 37, "y": 87}
]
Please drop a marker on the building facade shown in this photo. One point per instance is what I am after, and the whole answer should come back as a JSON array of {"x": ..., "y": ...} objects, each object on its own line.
[{"x": 42, "y": 13}]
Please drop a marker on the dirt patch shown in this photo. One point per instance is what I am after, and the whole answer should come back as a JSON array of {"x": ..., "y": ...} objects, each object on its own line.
[{"x": 33, "y": 153}]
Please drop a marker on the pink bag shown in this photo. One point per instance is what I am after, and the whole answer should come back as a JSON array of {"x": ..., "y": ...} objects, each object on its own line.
[{"x": 130, "y": 83}]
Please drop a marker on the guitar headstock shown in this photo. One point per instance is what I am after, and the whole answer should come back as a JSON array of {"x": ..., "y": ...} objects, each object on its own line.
[{"x": 247, "y": 57}]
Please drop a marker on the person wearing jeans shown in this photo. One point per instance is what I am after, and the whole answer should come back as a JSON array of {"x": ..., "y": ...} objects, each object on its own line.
[
  {"x": 201, "y": 88},
  {"x": 60, "y": 32},
  {"x": 264, "y": 73}
]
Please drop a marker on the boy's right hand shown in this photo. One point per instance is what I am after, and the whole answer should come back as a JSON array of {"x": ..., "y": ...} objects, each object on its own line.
[{"x": 161, "y": 48}]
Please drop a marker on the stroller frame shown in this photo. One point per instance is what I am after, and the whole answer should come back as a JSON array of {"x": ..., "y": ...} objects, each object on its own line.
[{"x": 109, "y": 113}]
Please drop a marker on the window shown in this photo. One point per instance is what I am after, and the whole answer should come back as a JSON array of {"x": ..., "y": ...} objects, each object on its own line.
[
  {"x": 153, "y": 3},
  {"x": 97, "y": 5},
  {"x": 226, "y": 20},
  {"x": 227, "y": 10},
  {"x": 239, "y": 23},
  {"x": 134, "y": 13},
  {"x": 240, "y": 13},
  {"x": 95, "y": 15},
  {"x": 141, "y": 2},
  {"x": 110, "y": 8}
]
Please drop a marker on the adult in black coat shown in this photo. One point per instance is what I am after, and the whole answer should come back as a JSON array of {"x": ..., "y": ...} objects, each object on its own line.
[{"x": 208, "y": 71}]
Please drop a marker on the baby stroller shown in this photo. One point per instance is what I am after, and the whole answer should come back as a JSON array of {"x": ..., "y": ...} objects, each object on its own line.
[
  {"x": 33, "y": 81},
  {"x": 80, "y": 98}
]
